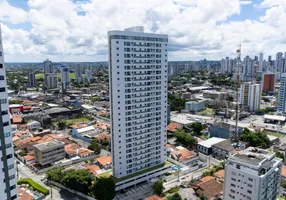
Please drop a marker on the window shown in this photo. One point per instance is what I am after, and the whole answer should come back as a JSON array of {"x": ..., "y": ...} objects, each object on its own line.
[
  {"x": 14, "y": 197},
  {"x": 3, "y": 101},
  {"x": 1, "y": 66},
  {"x": 5, "y": 123},
  {"x": 2, "y": 78},
  {"x": 4, "y": 112},
  {"x": 7, "y": 134},
  {"x": 0, "y": 53},
  {"x": 2, "y": 89}
]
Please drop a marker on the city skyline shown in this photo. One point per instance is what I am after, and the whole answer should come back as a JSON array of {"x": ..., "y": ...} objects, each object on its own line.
[{"x": 196, "y": 30}]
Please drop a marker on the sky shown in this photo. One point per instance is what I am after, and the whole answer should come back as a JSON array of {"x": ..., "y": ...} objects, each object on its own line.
[{"x": 76, "y": 30}]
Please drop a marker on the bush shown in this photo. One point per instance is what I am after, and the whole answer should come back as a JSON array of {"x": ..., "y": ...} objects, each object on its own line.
[
  {"x": 34, "y": 185},
  {"x": 173, "y": 190}
]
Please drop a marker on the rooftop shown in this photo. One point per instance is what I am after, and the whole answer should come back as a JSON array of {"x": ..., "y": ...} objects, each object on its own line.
[
  {"x": 274, "y": 117},
  {"x": 224, "y": 145},
  {"x": 85, "y": 129},
  {"x": 49, "y": 145},
  {"x": 104, "y": 160},
  {"x": 56, "y": 110},
  {"x": 185, "y": 154},
  {"x": 173, "y": 126},
  {"x": 212, "y": 141}
]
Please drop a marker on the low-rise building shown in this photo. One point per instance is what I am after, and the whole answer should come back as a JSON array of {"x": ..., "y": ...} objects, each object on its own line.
[
  {"x": 49, "y": 152},
  {"x": 185, "y": 156},
  {"x": 173, "y": 127},
  {"x": 205, "y": 147},
  {"x": 223, "y": 149},
  {"x": 195, "y": 105},
  {"x": 86, "y": 133},
  {"x": 105, "y": 162},
  {"x": 33, "y": 125}
]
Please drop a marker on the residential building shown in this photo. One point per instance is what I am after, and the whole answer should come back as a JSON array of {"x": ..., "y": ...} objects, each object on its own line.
[
  {"x": 250, "y": 96},
  {"x": 205, "y": 147},
  {"x": 52, "y": 80},
  {"x": 65, "y": 77},
  {"x": 48, "y": 69},
  {"x": 86, "y": 133},
  {"x": 104, "y": 161},
  {"x": 186, "y": 157},
  {"x": 49, "y": 152},
  {"x": 8, "y": 184},
  {"x": 138, "y": 65},
  {"x": 260, "y": 62},
  {"x": 282, "y": 94},
  {"x": 195, "y": 105},
  {"x": 279, "y": 63},
  {"x": 78, "y": 72},
  {"x": 252, "y": 174},
  {"x": 31, "y": 79},
  {"x": 88, "y": 75},
  {"x": 222, "y": 150},
  {"x": 208, "y": 187},
  {"x": 268, "y": 82}
]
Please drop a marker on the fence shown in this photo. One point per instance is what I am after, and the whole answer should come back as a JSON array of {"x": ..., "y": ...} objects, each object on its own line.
[{"x": 72, "y": 191}]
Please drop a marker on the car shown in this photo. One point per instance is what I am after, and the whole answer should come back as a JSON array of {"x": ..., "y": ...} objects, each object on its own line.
[
  {"x": 43, "y": 178},
  {"x": 188, "y": 198}
]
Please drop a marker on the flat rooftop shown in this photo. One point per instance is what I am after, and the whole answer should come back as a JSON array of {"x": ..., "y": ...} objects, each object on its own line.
[
  {"x": 252, "y": 156},
  {"x": 212, "y": 141},
  {"x": 274, "y": 117},
  {"x": 49, "y": 145}
]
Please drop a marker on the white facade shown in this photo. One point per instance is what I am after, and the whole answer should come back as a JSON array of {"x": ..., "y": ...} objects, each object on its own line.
[
  {"x": 7, "y": 162},
  {"x": 48, "y": 69},
  {"x": 250, "y": 95},
  {"x": 279, "y": 62},
  {"x": 52, "y": 80},
  {"x": 78, "y": 72},
  {"x": 252, "y": 174},
  {"x": 282, "y": 94},
  {"x": 138, "y": 65},
  {"x": 195, "y": 105},
  {"x": 31, "y": 79},
  {"x": 65, "y": 77},
  {"x": 260, "y": 62}
]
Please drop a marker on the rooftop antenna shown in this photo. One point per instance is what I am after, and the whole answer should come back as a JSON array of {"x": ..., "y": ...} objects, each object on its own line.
[{"x": 238, "y": 51}]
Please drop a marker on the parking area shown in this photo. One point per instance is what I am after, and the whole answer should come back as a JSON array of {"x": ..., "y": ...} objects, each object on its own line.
[{"x": 138, "y": 192}]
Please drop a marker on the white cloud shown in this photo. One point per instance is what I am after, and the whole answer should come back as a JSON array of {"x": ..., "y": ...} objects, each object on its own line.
[
  {"x": 77, "y": 31},
  {"x": 11, "y": 14}
]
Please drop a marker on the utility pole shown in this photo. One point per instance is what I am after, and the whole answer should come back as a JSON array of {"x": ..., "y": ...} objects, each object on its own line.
[{"x": 178, "y": 159}]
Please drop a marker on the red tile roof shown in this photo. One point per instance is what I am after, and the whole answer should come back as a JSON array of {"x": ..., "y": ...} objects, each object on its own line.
[
  {"x": 284, "y": 171},
  {"x": 104, "y": 160},
  {"x": 185, "y": 154},
  {"x": 174, "y": 126},
  {"x": 28, "y": 157},
  {"x": 23, "y": 195},
  {"x": 154, "y": 197},
  {"x": 91, "y": 168},
  {"x": 16, "y": 119}
]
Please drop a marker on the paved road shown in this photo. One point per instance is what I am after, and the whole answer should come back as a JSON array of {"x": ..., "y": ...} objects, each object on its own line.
[{"x": 57, "y": 194}]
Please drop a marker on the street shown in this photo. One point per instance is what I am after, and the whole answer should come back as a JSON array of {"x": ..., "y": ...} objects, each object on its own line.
[{"x": 55, "y": 193}]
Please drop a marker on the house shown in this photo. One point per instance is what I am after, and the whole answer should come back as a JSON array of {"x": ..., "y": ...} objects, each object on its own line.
[
  {"x": 83, "y": 152},
  {"x": 16, "y": 119},
  {"x": 29, "y": 159},
  {"x": 223, "y": 149},
  {"x": 173, "y": 127},
  {"x": 86, "y": 133},
  {"x": 105, "y": 162},
  {"x": 103, "y": 126},
  {"x": 70, "y": 149},
  {"x": 154, "y": 197},
  {"x": 24, "y": 195},
  {"x": 208, "y": 187},
  {"x": 186, "y": 157},
  {"x": 92, "y": 168},
  {"x": 283, "y": 174},
  {"x": 33, "y": 125},
  {"x": 219, "y": 175},
  {"x": 205, "y": 146}
]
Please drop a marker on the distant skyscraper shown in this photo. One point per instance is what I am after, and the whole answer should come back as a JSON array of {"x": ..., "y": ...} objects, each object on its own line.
[
  {"x": 78, "y": 72},
  {"x": 268, "y": 81},
  {"x": 8, "y": 185},
  {"x": 65, "y": 77},
  {"x": 269, "y": 59},
  {"x": 138, "y": 65},
  {"x": 31, "y": 79},
  {"x": 252, "y": 174},
  {"x": 48, "y": 69},
  {"x": 282, "y": 94},
  {"x": 88, "y": 75},
  {"x": 261, "y": 62},
  {"x": 52, "y": 80},
  {"x": 250, "y": 95},
  {"x": 279, "y": 62}
]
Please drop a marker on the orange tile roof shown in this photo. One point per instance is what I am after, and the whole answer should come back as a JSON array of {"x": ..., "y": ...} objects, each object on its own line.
[
  {"x": 34, "y": 139},
  {"x": 103, "y": 126},
  {"x": 27, "y": 107},
  {"x": 283, "y": 170},
  {"x": 83, "y": 152},
  {"x": 103, "y": 160},
  {"x": 23, "y": 195},
  {"x": 15, "y": 138},
  {"x": 173, "y": 126},
  {"x": 29, "y": 157},
  {"x": 154, "y": 197},
  {"x": 71, "y": 148},
  {"x": 79, "y": 125},
  {"x": 16, "y": 119},
  {"x": 23, "y": 126},
  {"x": 91, "y": 168},
  {"x": 185, "y": 154},
  {"x": 219, "y": 174},
  {"x": 208, "y": 187},
  {"x": 103, "y": 136}
]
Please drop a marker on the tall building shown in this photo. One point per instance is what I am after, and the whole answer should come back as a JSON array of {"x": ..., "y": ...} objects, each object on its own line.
[
  {"x": 65, "y": 77},
  {"x": 8, "y": 181},
  {"x": 31, "y": 79},
  {"x": 282, "y": 94},
  {"x": 279, "y": 62},
  {"x": 250, "y": 95},
  {"x": 138, "y": 65},
  {"x": 261, "y": 62},
  {"x": 268, "y": 81},
  {"x": 252, "y": 174},
  {"x": 52, "y": 80},
  {"x": 48, "y": 69},
  {"x": 78, "y": 72},
  {"x": 88, "y": 75}
]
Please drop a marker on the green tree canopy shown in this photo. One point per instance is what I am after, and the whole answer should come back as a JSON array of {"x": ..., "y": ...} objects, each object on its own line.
[
  {"x": 184, "y": 138},
  {"x": 280, "y": 155},
  {"x": 103, "y": 189},
  {"x": 79, "y": 180},
  {"x": 255, "y": 139},
  {"x": 175, "y": 196},
  {"x": 176, "y": 103},
  {"x": 62, "y": 124},
  {"x": 158, "y": 187},
  {"x": 197, "y": 127},
  {"x": 94, "y": 146},
  {"x": 55, "y": 175}
]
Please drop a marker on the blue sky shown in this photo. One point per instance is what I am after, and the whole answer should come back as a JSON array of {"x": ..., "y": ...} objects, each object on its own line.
[{"x": 70, "y": 30}]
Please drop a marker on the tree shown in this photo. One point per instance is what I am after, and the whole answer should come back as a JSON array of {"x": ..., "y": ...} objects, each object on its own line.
[
  {"x": 197, "y": 127},
  {"x": 94, "y": 146},
  {"x": 103, "y": 189},
  {"x": 175, "y": 196},
  {"x": 280, "y": 155},
  {"x": 55, "y": 174},
  {"x": 255, "y": 139},
  {"x": 158, "y": 187},
  {"x": 176, "y": 103},
  {"x": 184, "y": 138},
  {"x": 283, "y": 183},
  {"x": 62, "y": 124},
  {"x": 79, "y": 180}
]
